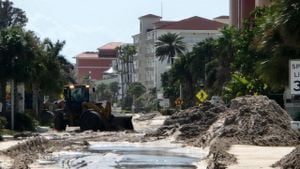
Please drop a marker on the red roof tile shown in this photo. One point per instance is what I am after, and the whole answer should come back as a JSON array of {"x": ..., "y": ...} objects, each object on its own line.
[
  {"x": 194, "y": 23},
  {"x": 162, "y": 23},
  {"x": 222, "y": 17},
  {"x": 87, "y": 55},
  {"x": 149, "y": 16},
  {"x": 110, "y": 46}
]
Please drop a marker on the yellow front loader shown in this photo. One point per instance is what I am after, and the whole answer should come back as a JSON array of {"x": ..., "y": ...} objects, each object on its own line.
[{"x": 78, "y": 110}]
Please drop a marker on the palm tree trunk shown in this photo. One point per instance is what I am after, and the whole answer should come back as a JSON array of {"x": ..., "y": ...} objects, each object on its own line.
[{"x": 127, "y": 67}]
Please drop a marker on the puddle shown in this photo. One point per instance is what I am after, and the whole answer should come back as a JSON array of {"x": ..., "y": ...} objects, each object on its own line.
[{"x": 124, "y": 156}]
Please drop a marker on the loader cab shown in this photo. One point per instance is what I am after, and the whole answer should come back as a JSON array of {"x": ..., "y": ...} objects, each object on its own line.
[
  {"x": 74, "y": 96},
  {"x": 76, "y": 93}
]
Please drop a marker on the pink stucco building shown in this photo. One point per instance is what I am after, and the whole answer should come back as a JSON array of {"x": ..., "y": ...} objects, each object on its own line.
[
  {"x": 94, "y": 64},
  {"x": 241, "y": 9}
]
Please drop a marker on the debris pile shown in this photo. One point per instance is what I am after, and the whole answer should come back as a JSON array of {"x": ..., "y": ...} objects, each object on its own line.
[
  {"x": 254, "y": 120},
  {"x": 291, "y": 160},
  {"x": 27, "y": 151},
  {"x": 190, "y": 123},
  {"x": 219, "y": 158}
]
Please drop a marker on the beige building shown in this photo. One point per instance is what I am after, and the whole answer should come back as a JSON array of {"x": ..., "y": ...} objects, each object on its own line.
[{"x": 148, "y": 68}]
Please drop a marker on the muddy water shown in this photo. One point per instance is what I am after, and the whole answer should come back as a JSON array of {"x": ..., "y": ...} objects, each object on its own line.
[{"x": 123, "y": 156}]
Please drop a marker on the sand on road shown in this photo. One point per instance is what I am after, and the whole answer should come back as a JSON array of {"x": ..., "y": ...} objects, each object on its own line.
[{"x": 257, "y": 157}]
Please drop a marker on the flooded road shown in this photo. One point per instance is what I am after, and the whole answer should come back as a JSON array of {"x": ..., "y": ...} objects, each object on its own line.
[{"x": 125, "y": 155}]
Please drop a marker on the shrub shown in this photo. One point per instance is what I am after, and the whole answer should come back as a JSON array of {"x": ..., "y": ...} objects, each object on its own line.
[
  {"x": 24, "y": 122},
  {"x": 46, "y": 118},
  {"x": 127, "y": 103},
  {"x": 3, "y": 122}
]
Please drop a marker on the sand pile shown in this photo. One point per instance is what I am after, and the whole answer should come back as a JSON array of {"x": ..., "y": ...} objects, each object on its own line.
[
  {"x": 24, "y": 153},
  {"x": 292, "y": 160},
  {"x": 190, "y": 123},
  {"x": 253, "y": 120}
]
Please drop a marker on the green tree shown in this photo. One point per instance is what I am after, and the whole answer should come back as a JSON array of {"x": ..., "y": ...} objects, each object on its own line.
[
  {"x": 17, "y": 54},
  {"x": 168, "y": 46},
  {"x": 11, "y": 16},
  {"x": 225, "y": 55},
  {"x": 126, "y": 54},
  {"x": 103, "y": 92},
  {"x": 53, "y": 51},
  {"x": 136, "y": 89},
  {"x": 279, "y": 41},
  {"x": 189, "y": 71},
  {"x": 289, "y": 21},
  {"x": 239, "y": 85},
  {"x": 114, "y": 88}
]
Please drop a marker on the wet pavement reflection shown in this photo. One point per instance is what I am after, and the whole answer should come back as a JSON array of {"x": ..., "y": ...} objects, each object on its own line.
[{"x": 123, "y": 156}]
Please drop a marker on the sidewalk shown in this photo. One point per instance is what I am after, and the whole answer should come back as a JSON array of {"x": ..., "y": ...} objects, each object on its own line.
[
  {"x": 8, "y": 142},
  {"x": 257, "y": 157}
]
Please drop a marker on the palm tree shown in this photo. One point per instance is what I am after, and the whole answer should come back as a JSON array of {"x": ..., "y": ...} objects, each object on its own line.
[
  {"x": 279, "y": 43},
  {"x": 53, "y": 51},
  {"x": 168, "y": 46},
  {"x": 126, "y": 53},
  {"x": 289, "y": 16}
]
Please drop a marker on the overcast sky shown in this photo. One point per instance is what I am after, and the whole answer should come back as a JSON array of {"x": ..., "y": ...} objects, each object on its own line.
[{"x": 86, "y": 25}]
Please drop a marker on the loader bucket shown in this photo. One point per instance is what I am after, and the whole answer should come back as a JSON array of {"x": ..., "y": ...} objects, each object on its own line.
[{"x": 122, "y": 122}]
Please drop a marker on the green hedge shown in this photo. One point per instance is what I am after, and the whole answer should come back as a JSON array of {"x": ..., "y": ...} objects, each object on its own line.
[{"x": 23, "y": 122}]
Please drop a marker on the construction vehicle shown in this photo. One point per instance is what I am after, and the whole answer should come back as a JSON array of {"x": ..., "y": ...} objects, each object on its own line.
[{"x": 77, "y": 110}]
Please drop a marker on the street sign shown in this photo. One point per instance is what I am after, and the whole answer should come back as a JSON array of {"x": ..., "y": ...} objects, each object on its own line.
[
  {"x": 178, "y": 102},
  {"x": 165, "y": 103},
  {"x": 201, "y": 95},
  {"x": 295, "y": 77}
]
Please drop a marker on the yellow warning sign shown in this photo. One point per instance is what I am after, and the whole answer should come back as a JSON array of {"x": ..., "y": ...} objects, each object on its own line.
[{"x": 201, "y": 95}]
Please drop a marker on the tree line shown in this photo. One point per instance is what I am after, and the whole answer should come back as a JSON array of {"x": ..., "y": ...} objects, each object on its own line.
[
  {"x": 28, "y": 59},
  {"x": 248, "y": 61}
]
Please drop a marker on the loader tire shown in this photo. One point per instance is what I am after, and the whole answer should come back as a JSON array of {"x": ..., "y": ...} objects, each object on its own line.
[
  {"x": 91, "y": 120},
  {"x": 59, "y": 122}
]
